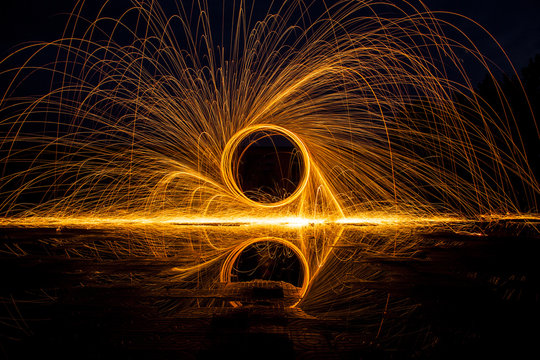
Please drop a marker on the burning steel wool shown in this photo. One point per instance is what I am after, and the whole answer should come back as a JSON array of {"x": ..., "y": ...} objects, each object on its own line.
[
  {"x": 291, "y": 129},
  {"x": 204, "y": 179},
  {"x": 150, "y": 115}
]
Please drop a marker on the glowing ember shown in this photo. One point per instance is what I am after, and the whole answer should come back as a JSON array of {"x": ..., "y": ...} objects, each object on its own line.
[
  {"x": 150, "y": 122},
  {"x": 149, "y": 125}
]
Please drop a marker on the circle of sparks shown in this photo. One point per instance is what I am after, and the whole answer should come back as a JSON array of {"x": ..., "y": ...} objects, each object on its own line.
[
  {"x": 227, "y": 268},
  {"x": 229, "y": 169}
]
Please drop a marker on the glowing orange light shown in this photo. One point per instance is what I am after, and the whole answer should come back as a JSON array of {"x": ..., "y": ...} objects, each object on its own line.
[
  {"x": 141, "y": 136},
  {"x": 226, "y": 270},
  {"x": 227, "y": 163}
]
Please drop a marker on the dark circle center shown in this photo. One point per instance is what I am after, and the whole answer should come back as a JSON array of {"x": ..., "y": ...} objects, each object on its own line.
[
  {"x": 268, "y": 260},
  {"x": 267, "y": 166}
]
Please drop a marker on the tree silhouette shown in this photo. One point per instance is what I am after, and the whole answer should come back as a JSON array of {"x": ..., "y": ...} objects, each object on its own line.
[{"x": 522, "y": 99}]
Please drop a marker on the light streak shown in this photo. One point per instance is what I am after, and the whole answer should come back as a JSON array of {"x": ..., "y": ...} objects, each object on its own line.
[
  {"x": 227, "y": 160},
  {"x": 140, "y": 130},
  {"x": 290, "y": 221},
  {"x": 228, "y": 264},
  {"x": 147, "y": 127}
]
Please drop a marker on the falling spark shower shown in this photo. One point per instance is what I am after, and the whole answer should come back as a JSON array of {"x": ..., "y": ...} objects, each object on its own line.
[{"x": 151, "y": 118}]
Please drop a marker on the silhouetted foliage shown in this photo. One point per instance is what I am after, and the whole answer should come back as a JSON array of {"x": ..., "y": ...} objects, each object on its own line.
[{"x": 524, "y": 106}]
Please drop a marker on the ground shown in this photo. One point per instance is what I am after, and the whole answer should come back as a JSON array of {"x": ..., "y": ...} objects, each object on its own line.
[{"x": 456, "y": 294}]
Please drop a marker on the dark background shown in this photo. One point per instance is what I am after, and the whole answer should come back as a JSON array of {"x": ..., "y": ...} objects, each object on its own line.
[{"x": 513, "y": 23}]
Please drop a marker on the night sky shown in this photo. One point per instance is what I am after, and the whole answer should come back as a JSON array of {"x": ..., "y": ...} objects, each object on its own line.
[{"x": 514, "y": 23}]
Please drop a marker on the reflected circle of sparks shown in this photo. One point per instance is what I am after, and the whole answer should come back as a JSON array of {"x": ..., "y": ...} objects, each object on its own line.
[
  {"x": 227, "y": 268},
  {"x": 228, "y": 167}
]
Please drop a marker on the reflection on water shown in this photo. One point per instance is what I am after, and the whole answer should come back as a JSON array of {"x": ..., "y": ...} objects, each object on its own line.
[
  {"x": 268, "y": 260},
  {"x": 400, "y": 286}
]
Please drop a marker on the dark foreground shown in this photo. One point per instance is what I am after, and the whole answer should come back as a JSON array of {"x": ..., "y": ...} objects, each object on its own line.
[{"x": 458, "y": 295}]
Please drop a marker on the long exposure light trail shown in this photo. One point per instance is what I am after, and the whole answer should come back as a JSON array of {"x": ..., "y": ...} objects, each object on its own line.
[
  {"x": 144, "y": 120},
  {"x": 330, "y": 136},
  {"x": 368, "y": 219}
]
